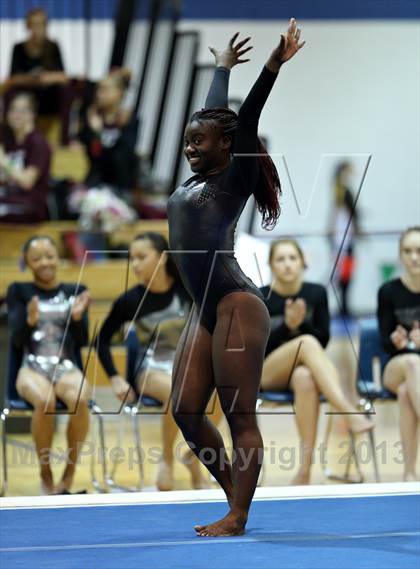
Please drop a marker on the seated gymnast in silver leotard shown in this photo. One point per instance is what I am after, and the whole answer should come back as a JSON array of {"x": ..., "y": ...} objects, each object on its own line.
[
  {"x": 223, "y": 345},
  {"x": 46, "y": 321}
]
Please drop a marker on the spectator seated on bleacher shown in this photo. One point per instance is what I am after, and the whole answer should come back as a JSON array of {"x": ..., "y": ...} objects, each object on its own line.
[
  {"x": 109, "y": 133},
  {"x": 37, "y": 67},
  {"x": 24, "y": 164}
]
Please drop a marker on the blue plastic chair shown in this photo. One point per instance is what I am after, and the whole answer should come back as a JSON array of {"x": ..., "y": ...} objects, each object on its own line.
[
  {"x": 15, "y": 406},
  {"x": 372, "y": 362}
]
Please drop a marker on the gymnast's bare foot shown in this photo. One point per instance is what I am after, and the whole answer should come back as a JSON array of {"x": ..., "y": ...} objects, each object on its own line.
[
  {"x": 165, "y": 479},
  {"x": 410, "y": 477},
  {"x": 66, "y": 480},
  {"x": 302, "y": 478},
  {"x": 47, "y": 483},
  {"x": 359, "y": 424},
  {"x": 231, "y": 525}
]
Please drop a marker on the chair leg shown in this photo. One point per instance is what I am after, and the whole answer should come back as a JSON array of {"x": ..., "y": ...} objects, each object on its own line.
[
  {"x": 262, "y": 475},
  {"x": 366, "y": 406},
  {"x": 135, "y": 422},
  {"x": 4, "y": 481},
  {"x": 110, "y": 479},
  {"x": 356, "y": 459},
  {"x": 131, "y": 412},
  {"x": 371, "y": 435},
  {"x": 351, "y": 455},
  {"x": 97, "y": 412},
  {"x": 102, "y": 445}
]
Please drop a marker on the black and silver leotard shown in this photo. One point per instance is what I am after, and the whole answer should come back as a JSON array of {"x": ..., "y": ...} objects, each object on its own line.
[
  {"x": 49, "y": 347},
  {"x": 397, "y": 306},
  {"x": 159, "y": 318},
  {"x": 204, "y": 210}
]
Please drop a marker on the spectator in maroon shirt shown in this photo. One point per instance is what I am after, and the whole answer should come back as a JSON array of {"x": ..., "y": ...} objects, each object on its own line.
[
  {"x": 24, "y": 164},
  {"x": 37, "y": 67}
]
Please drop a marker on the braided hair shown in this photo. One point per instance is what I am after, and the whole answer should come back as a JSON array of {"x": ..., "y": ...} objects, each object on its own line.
[{"x": 268, "y": 188}]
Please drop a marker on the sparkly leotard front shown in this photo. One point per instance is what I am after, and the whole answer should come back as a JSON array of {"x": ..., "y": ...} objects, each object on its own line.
[
  {"x": 49, "y": 347},
  {"x": 203, "y": 212}
]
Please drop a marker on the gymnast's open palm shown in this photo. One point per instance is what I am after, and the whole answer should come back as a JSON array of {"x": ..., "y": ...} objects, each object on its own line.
[
  {"x": 232, "y": 54},
  {"x": 289, "y": 45}
]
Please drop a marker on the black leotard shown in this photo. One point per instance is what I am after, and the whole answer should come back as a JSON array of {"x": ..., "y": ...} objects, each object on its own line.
[
  {"x": 168, "y": 310},
  {"x": 397, "y": 305},
  {"x": 317, "y": 318},
  {"x": 204, "y": 210}
]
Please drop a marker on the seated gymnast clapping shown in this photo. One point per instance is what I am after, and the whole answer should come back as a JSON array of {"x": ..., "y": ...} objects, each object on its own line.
[
  {"x": 158, "y": 307},
  {"x": 46, "y": 322},
  {"x": 399, "y": 322},
  {"x": 295, "y": 355}
]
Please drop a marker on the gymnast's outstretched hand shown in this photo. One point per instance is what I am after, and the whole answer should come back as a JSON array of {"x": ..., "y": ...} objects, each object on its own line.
[
  {"x": 289, "y": 45},
  {"x": 231, "y": 55}
]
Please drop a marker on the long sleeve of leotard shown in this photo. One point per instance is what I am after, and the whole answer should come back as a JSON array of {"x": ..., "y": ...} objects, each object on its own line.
[
  {"x": 17, "y": 317},
  {"x": 112, "y": 324},
  {"x": 246, "y": 135},
  {"x": 219, "y": 88},
  {"x": 386, "y": 319},
  {"x": 320, "y": 324}
]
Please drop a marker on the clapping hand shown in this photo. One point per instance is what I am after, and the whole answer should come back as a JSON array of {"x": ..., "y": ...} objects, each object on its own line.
[
  {"x": 294, "y": 313},
  {"x": 414, "y": 334},
  {"x": 231, "y": 55},
  {"x": 32, "y": 311},
  {"x": 399, "y": 337}
]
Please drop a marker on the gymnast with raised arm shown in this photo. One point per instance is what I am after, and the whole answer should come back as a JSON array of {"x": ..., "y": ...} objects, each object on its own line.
[{"x": 223, "y": 344}]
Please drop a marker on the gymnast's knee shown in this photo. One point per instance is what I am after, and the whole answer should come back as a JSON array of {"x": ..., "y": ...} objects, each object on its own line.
[
  {"x": 241, "y": 423},
  {"x": 302, "y": 382},
  {"x": 189, "y": 422},
  {"x": 411, "y": 363},
  {"x": 309, "y": 342},
  {"x": 402, "y": 393}
]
